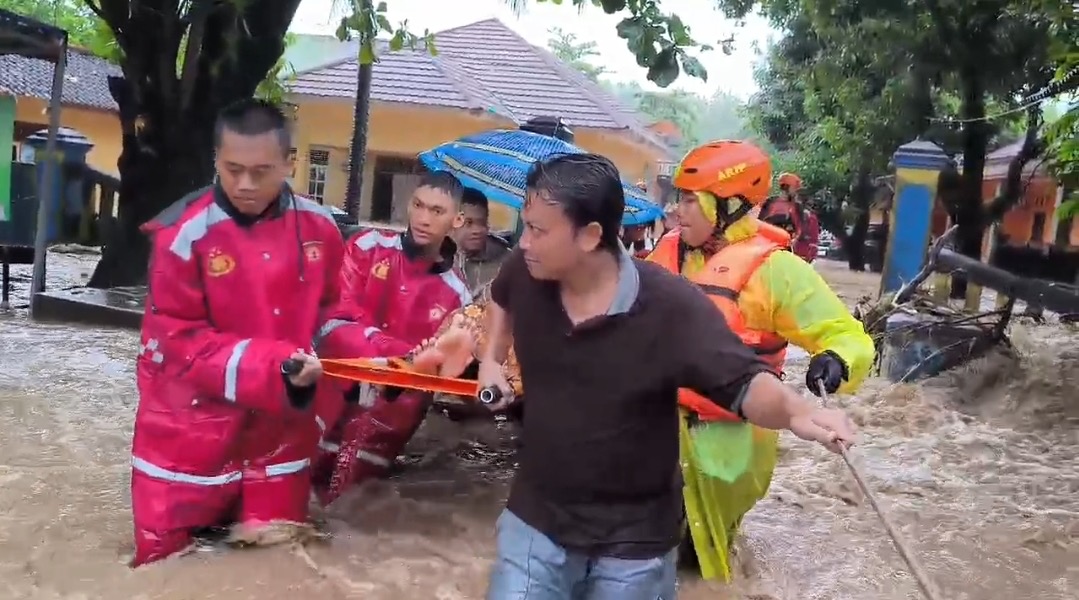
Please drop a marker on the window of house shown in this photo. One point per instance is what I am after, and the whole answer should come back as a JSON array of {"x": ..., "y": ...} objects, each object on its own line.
[
  {"x": 394, "y": 180},
  {"x": 318, "y": 169},
  {"x": 292, "y": 161},
  {"x": 1037, "y": 228}
]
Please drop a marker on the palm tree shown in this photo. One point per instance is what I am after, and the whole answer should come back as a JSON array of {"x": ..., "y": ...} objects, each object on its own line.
[
  {"x": 361, "y": 17},
  {"x": 357, "y": 147}
]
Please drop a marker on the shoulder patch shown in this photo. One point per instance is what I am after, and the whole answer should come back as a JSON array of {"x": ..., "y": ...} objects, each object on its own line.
[
  {"x": 175, "y": 211},
  {"x": 455, "y": 282},
  {"x": 306, "y": 205},
  {"x": 366, "y": 240}
]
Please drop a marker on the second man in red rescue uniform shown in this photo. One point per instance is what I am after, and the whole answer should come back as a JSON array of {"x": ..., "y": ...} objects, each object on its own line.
[{"x": 396, "y": 289}]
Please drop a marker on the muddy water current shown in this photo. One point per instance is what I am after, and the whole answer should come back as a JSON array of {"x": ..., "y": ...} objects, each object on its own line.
[{"x": 980, "y": 467}]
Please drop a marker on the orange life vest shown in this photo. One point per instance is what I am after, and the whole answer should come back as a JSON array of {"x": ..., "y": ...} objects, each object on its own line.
[{"x": 723, "y": 278}]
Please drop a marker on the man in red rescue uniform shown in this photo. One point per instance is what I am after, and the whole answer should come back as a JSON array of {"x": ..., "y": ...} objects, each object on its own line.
[
  {"x": 789, "y": 213},
  {"x": 396, "y": 289},
  {"x": 241, "y": 274}
]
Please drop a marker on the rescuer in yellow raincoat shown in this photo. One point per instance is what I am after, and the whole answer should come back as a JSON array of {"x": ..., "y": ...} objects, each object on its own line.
[{"x": 770, "y": 297}]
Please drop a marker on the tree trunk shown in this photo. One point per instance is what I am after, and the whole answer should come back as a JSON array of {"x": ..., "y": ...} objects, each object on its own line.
[
  {"x": 861, "y": 197},
  {"x": 358, "y": 146},
  {"x": 970, "y": 216},
  {"x": 157, "y": 174},
  {"x": 167, "y": 119}
]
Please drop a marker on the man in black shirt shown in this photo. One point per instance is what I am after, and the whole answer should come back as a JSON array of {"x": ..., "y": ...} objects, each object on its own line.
[{"x": 604, "y": 342}]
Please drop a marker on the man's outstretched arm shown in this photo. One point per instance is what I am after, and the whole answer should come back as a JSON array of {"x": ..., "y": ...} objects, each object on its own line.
[{"x": 715, "y": 363}]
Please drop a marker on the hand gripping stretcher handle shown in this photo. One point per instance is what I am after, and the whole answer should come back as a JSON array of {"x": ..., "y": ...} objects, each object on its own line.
[{"x": 489, "y": 395}]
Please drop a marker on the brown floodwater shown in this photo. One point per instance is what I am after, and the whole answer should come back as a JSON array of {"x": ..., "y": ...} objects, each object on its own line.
[{"x": 980, "y": 467}]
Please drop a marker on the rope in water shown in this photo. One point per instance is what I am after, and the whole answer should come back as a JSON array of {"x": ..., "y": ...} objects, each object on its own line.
[{"x": 928, "y": 588}]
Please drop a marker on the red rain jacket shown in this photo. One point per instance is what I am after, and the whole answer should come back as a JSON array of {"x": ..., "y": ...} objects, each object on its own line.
[
  {"x": 799, "y": 222},
  {"x": 397, "y": 298},
  {"x": 391, "y": 300},
  {"x": 806, "y": 244},
  {"x": 228, "y": 302}
]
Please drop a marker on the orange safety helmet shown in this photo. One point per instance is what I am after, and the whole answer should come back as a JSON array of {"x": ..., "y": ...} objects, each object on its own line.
[
  {"x": 790, "y": 182},
  {"x": 727, "y": 169}
]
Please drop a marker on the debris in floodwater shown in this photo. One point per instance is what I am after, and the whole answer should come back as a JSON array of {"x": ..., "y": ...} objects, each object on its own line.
[
  {"x": 274, "y": 533},
  {"x": 277, "y": 532}
]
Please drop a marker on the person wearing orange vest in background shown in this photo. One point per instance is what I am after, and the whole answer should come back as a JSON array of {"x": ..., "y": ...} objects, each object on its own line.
[
  {"x": 770, "y": 298},
  {"x": 788, "y": 212}
]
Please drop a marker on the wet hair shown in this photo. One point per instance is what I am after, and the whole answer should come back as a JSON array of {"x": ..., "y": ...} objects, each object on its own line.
[
  {"x": 251, "y": 117},
  {"x": 588, "y": 187},
  {"x": 444, "y": 181},
  {"x": 476, "y": 198}
]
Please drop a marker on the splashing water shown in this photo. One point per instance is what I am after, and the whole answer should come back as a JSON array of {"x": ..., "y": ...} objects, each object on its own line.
[{"x": 980, "y": 467}]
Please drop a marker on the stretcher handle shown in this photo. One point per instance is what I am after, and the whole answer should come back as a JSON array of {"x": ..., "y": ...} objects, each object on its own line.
[
  {"x": 291, "y": 367},
  {"x": 489, "y": 395}
]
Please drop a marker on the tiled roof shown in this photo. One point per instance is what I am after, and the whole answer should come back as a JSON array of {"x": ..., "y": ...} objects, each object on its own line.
[
  {"x": 85, "y": 79},
  {"x": 407, "y": 76},
  {"x": 481, "y": 66}
]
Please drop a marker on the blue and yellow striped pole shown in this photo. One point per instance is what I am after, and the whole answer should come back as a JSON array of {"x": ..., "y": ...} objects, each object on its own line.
[{"x": 917, "y": 166}]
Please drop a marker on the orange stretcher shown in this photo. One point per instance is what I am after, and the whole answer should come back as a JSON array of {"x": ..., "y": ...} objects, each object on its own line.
[{"x": 396, "y": 372}]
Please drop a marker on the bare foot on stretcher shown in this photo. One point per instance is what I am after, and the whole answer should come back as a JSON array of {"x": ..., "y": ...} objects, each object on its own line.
[{"x": 448, "y": 355}]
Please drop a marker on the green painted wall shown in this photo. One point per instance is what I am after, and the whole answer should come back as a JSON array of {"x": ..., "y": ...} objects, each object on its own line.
[{"x": 7, "y": 139}]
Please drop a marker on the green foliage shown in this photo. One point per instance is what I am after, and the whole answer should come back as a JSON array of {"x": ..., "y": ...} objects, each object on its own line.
[
  {"x": 698, "y": 119},
  {"x": 365, "y": 21},
  {"x": 575, "y": 53},
  {"x": 86, "y": 30},
  {"x": 851, "y": 80},
  {"x": 661, "y": 41},
  {"x": 1062, "y": 135},
  {"x": 83, "y": 27},
  {"x": 274, "y": 87}
]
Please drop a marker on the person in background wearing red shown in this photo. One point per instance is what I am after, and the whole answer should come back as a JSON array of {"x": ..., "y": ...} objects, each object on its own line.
[
  {"x": 241, "y": 275},
  {"x": 807, "y": 244},
  {"x": 396, "y": 289},
  {"x": 789, "y": 213}
]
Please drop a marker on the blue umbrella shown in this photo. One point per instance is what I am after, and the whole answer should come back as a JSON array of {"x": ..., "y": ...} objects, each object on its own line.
[{"x": 497, "y": 162}]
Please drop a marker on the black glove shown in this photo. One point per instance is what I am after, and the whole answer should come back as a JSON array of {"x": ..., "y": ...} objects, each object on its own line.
[
  {"x": 826, "y": 367},
  {"x": 298, "y": 397}
]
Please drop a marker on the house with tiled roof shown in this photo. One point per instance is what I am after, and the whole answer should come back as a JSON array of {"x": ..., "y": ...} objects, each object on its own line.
[
  {"x": 87, "y": 105},
  {"x": 483, "y": 76}
]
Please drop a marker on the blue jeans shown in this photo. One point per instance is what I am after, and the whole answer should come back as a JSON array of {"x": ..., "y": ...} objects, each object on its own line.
[{"x": 530, "y": 566}]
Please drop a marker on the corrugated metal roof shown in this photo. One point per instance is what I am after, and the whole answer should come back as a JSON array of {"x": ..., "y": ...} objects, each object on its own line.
[
  {"x": 481, "y": 66},
  {"x": 85, "y": 79}
]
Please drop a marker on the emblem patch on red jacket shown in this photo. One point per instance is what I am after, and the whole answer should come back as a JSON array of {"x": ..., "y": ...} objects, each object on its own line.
[
  {"x": 218, "y": 263},
  {"x": 436, "y": 314},
  {"x": 381, "y": 269},
  {"x": 313, "y": 251}
]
